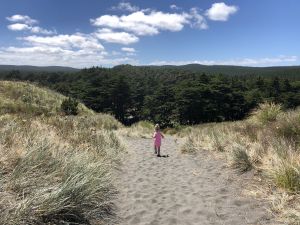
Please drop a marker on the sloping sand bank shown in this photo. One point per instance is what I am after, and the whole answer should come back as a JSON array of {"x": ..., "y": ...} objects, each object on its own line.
[{"x": 181, "y": 189}]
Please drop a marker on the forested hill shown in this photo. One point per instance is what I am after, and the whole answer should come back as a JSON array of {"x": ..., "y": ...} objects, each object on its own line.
[
  {"x": 172, "y": 95},
  {"x": 236, "y": 70},
  {"x": 198, "y": 68},
  {"x": 25, "y": 68}
]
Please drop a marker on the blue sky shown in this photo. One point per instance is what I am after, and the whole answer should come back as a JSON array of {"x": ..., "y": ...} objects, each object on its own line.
[{"x": 81, "y": 33}]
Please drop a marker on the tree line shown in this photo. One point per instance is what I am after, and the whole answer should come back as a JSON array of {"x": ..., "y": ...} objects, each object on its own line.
[{"x": 168, "y": 96}]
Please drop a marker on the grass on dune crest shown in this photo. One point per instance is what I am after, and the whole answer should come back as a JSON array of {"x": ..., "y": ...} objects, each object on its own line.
[
  {"x": 143, "y": 129},
  {"x": 30, "y": 100},
  {"x": 55, "y": 169},
  {"x": 268, "y": 142}
]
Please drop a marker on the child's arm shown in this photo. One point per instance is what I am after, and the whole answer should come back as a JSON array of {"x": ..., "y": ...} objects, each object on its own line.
[
  {"x": 162, "y": 135},
  {"x": 153, "y": 136}
]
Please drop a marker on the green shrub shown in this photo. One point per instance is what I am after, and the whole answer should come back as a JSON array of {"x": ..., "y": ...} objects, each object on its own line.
[{"x": 70, "y": 106}]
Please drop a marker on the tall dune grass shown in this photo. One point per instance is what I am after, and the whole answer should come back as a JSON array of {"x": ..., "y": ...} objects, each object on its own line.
[
  {"x": 54, "y": 169},
  {"x": 143, "y": 129},
  {"x": 268, "y": 142}
]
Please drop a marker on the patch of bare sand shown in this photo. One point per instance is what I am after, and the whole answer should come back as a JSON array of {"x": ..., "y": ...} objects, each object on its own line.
[{"x": 181, "y": 189}]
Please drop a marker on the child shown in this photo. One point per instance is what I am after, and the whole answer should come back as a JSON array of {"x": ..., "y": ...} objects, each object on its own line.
[{"x": 157, "y": 140}]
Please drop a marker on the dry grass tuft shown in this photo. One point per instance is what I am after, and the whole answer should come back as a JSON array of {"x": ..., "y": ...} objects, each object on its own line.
[
  {"x": 240, "y": 159},
  {"x": 266, "y": 113}
]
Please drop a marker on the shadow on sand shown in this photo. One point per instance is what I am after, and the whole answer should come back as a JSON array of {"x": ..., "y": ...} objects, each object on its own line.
[{"x": 163, "y": 156}]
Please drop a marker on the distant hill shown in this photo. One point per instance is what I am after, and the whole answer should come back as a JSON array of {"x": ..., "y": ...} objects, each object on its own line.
[
  {"x": 235, "y": 70},
  {"x": 197, "y": 68},
  {"x": 5, "y": 68}
]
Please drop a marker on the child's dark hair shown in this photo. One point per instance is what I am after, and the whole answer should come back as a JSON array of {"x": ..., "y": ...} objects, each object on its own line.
[{"x": 157, "y": 127}]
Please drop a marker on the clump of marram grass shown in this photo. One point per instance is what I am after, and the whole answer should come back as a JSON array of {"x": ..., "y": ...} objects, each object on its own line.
[
  {"x": 216, "y": 139},
  {"x": 266, "y": 113},
  {"x": 58, "y": 185},
  {"x": 288, "y": 125},
  {"x": 284, "y": 165},
  {"x": 46, "y": 181},
  {"x": 240, "y": 159},
  {"x": 287, "y": 175},
  {"x": 188, "y": 146}
]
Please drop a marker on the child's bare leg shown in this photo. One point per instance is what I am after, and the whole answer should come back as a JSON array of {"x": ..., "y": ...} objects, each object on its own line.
[
  {"x": 155, "y": 150},
  {"x": 158, "y": 151}
]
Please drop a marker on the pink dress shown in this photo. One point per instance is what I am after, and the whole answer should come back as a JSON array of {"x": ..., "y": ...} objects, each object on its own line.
[{"x": 157, "y": 138}]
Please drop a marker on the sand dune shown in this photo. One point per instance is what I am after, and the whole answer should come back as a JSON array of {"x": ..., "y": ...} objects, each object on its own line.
[{"x": 181, "y": 189}]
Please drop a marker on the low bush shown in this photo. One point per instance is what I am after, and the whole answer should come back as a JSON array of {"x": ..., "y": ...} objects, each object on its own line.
[{"x": 69, "y": 106}]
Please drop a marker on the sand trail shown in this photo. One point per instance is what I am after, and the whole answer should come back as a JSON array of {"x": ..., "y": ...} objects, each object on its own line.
[{"x": 181, "y": 189}]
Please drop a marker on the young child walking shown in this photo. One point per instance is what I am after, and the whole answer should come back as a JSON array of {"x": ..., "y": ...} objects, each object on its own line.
[{"x": 157, "y": 140}]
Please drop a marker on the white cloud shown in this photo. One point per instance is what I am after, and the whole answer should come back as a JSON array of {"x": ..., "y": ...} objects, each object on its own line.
[
  {"x": 21, "y": 18},
  {"x": 174, "y": 7},
  {"x": 18, "y": 27},
  {"x": 126, "y": 6},
  {"x": 197, "y": 20},
  {"x": 268, "y": 61},
  {"x": 76, "y": 40},
  {"x": 128, "y": 49},
  {"x": 25, "y": 27},
  {"x": 25, "y": 23},
  {"x": 143, "y": 23},
  {"x": 39, "y": 30},
  {"x": 76, "y": 50},
  {"x": 56, "y": 56},
  {"x": 220, "y": 11},
  {"x": 116, "y": 37}
]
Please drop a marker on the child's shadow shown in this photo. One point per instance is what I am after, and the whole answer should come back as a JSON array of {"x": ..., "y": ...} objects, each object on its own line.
[{"x": 164, "y": 156}]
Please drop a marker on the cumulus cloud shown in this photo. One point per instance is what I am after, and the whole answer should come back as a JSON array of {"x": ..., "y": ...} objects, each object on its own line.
[
  {"x": 82, "y": 50},
  {"x": 18, "y": 27},
  {"x": 25, "y": 23},
  {"x": 268, "y": 61},
  {"x": 76, "y": 50},
  {"x": 150, "y": 22},
  {"x": 21, "y": 18},
  {"x": 25, "y": 27},
  {"x": 143, "y": 23},
  {"x": 56, "y": 56},
  {"x": 77, "y": 40},
  {"x": 128, "y": 49},
  {"x": 116, "y": 37},
  {"x": 220, "y": 11},
  {"x": 126, "y": 6}
]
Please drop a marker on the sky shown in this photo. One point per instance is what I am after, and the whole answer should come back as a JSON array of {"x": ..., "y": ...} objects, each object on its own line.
[{"x": 85, "y": 33}]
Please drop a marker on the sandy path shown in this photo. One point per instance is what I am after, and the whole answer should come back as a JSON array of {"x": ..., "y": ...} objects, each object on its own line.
[{"x": 181, "y": 189}]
